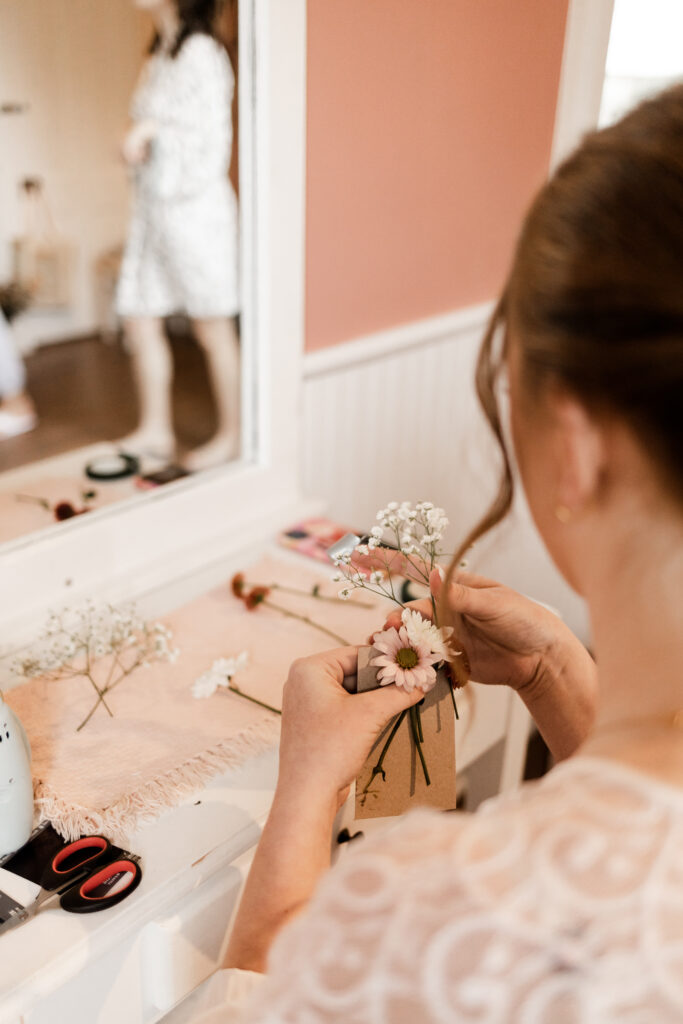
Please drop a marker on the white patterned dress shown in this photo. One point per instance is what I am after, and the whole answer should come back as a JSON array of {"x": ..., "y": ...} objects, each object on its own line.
[
  {"x": 559, "y": 904},
  {"x": 181, "y": 253}
]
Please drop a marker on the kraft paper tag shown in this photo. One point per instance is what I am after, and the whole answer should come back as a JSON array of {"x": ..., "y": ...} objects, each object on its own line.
[{"x": 404, "y": 784}]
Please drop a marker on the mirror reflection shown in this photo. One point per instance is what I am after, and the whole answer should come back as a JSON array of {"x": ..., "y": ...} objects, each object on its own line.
[{"x": 119, "y": 251}]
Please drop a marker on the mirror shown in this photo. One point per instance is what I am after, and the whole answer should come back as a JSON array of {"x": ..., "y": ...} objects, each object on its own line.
[{"x": 119, "y": 252}]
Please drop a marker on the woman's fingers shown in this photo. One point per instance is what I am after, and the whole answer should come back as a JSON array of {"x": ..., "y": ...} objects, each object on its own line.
[
  {"x": 462, "y": 598},
  {"x": 340, "y": 662},
  {"x": 393, "y": 620},
  {"x": 387, "y": 701},
  {"x": 472, "y": 579}
]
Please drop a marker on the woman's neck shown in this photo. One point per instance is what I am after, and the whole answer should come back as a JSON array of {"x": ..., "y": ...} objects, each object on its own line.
[
  {"x": 166, "y": 22},
  {"x": 637, "y": 617}
]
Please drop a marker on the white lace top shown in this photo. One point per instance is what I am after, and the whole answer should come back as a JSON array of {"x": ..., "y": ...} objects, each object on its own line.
[
  {"x": 182, "y": 248},
  {"x": 562, "y": 903}
]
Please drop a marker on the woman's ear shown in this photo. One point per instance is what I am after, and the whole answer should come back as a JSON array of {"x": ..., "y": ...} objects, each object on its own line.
[{"x": 581, "y": 452}]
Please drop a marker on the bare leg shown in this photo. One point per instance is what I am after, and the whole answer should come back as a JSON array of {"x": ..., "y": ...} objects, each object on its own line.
[
  {"x": 153, "y": 369},
  {"x": 218, "y": 338},
  {"x": 17, "y": 416},
  {"x": 17, "y": 411}
]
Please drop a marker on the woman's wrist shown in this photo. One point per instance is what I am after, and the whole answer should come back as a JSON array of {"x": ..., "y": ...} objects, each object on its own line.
[
  {"x": 561, "y": 696},
  {"x": 304, "y": 801}
]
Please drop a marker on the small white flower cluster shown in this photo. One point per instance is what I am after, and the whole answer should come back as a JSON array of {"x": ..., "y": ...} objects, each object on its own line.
[
  {"x": 74, "y": 638},
  {"x": 414, "y": 531},
  {"x": 418, "y": 529},
  {"x": 221, "y": 674}
]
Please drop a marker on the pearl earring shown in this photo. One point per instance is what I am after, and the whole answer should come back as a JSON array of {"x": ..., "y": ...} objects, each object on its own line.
[{"x": 563, "y": 513}]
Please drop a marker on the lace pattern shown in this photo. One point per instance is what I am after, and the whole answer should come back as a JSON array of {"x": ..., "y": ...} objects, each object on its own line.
[
  {"x": 562, "y": 903},
  {"x": 182, "y": 246}
]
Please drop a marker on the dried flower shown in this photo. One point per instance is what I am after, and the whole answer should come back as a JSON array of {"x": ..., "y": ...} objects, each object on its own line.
[
  {"x": 256, "y": 596},
  {"x": 64, "y": 510},
  {"x": 237, "y": 584},
  {"x": 221, "y": 674},
  {"x": 103, "y": 643}
]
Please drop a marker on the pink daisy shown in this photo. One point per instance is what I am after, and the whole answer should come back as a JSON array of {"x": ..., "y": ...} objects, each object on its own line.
[{"x": 403, "y": 661}]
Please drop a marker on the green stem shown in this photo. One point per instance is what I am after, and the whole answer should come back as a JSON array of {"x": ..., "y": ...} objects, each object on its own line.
[
  {"x": 43, "y": 502},
  {"x": 125, "y": 672},
  {"x": 100, "y": 700},
  {"x": 418, "y": 716},
  {"x": 316, "y": 596},
  {"x": 418, "y": 745},
  {"x": 309, "y": 622},
  {"x": 421, "y": 574},
  {"x": 261, "y": 704},
  {"x": 455, "y": 706},
  {"x": 88, "y": 716},
  {"x": 378, "y": 770},
  {"x": 100, "y": 695}
]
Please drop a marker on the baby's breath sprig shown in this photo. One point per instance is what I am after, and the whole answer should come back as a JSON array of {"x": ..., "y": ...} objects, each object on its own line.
[
  {"x": 411, "y": 534},
  {"x": 101, "y": 642}
]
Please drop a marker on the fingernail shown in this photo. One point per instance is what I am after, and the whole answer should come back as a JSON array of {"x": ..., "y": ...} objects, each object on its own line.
[{"x": 442, "y": 572}]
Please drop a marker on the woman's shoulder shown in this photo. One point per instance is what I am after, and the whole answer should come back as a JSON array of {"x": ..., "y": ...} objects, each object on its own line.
[
  {"x": 201, "y": 46},
  {"x": 557, "y": 895},
  {"x": 589, "y": 822}
]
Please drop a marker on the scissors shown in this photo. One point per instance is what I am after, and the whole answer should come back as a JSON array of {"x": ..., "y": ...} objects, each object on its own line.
[{"x": 82, "y": 878}]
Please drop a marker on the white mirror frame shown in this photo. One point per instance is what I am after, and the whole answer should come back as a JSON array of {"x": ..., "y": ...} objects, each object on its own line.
[{"x": 127, "y": 550}]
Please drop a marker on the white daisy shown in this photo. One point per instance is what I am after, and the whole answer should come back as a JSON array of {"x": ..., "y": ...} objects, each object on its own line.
[{"x": 422, "y": 631}]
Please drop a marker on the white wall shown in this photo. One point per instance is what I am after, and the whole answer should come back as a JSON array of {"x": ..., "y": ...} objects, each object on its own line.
[
  {"x": 75, "y": 63},
  {"x": 395, "y": 417},
  {"x": 644, "y": 54}
]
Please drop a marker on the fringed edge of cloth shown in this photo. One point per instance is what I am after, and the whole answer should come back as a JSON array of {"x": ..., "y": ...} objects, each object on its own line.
[{"x": 159, "y": 794}]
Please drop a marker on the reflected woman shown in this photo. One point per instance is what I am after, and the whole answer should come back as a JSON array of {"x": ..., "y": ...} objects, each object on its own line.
[{"x": 181, "y": 253}]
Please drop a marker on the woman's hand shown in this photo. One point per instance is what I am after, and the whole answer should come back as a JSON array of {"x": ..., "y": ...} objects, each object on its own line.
[
  {"x": 506, "y": 637},
  {"x": 136, "y": 143},
  {"x": 327, "y": 733},
  {"x": 511, "y": 640}
]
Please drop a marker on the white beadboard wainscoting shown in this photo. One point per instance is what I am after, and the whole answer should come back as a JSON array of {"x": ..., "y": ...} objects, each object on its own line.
[{"x": 394, "y": 416}]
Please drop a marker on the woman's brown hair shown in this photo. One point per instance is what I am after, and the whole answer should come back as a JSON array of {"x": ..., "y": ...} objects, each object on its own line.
[{"x": 594, "y": 297}]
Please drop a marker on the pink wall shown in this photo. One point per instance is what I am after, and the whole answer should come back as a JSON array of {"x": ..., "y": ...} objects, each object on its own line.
[{"x": 429, "y": 128}]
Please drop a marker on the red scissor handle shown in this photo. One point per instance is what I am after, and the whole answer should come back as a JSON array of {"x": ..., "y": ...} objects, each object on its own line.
[
  {"x": 102, "y": 889},
  {"x": 74, "y": 860},
  {"x": 74, "y": 856}
]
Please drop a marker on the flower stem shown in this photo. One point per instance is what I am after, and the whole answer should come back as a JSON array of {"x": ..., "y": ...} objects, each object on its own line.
[
  {"x": 309, "y": 622},
  {"x": 315, "y": 595},
  {"x": 88, "y": 716},
  {"x": 43, "y": 502},
  {"x": 378, "y": 770},
  {"x": 418, "y": 717},
  {"x": 416, "y": 739},
  {"x": 455, "y": 706},
  {"x": 100, "y": 700},
  {"x": 261, "y": 704}
]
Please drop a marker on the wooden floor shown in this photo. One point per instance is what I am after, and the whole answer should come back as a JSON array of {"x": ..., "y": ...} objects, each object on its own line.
[{"x": 84, "y": 393}]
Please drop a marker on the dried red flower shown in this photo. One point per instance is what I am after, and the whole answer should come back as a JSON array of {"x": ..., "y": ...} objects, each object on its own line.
[
  {"x": 237, "y": 584},
  {"x": 64, "y": 510},
  {"x": 256, "y": 596}
]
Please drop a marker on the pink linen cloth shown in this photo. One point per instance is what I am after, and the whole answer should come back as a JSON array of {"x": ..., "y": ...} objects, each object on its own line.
[{"x": 162, "y": 742}]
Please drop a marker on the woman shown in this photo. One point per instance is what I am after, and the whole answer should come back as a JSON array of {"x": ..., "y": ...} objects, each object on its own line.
[
  {"x": 564, "y": 901},
  {"x": 17, "y": 411},
  {"x": 181, "y": 253}
]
